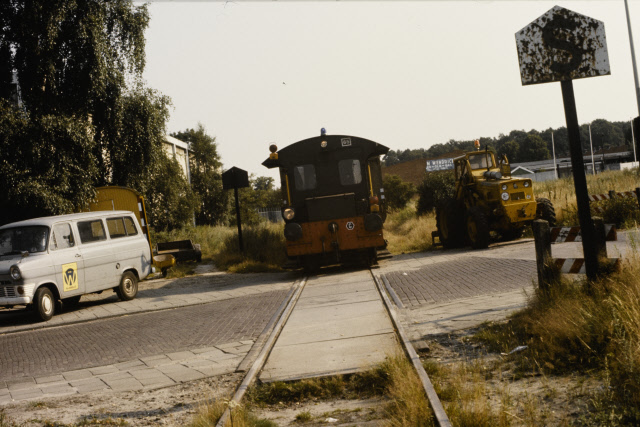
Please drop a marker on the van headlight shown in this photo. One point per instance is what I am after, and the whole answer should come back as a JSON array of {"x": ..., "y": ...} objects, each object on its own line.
[
  {"x": 288, "y": 214},
  {"x": 15, "y": 272},
  {"x": 505, "y": 196}
]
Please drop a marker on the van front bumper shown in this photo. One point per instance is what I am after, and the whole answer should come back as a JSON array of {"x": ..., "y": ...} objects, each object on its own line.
[
  {"x": 9, "y": 295},
  {"x": 15, "y": 301}
]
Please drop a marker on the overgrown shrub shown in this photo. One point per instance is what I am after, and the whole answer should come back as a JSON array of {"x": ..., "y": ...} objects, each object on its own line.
[
  {"x": 583, "y": 328},
  {"x": 264, "y": 249},
  {"x": 397, "y": 192},
  {"x": 435, "y": 187},
  {"x": 623, "y": 212}
]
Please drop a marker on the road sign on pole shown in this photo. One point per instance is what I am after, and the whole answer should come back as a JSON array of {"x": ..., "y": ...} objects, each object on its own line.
[
  {"x": 236, "y": 178},
  {"x": 562, "y": 45}
]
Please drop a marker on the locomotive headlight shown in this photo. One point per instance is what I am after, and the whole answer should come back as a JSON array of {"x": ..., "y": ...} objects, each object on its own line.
[
  {"x": 527, "y": 184},
  {"x": 323, "y": 144},
  {"x": 504, "y": 187},
  {"x": 15, "y": 272},
  {"x": 288, "y": 214},
  {"x": 505, "y": 196}
]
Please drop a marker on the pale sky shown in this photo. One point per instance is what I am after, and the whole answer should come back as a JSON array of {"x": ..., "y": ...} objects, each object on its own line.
[{"x": 404, "y": 74}]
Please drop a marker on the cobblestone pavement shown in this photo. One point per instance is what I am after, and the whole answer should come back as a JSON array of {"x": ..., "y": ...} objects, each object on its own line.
[
  {"x": 153, "y": 295},
  {"x": 110, "y": 341},
  {"x": 465, "y": 277}
]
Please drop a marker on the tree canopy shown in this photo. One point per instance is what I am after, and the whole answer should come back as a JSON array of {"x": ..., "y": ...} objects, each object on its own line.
[
  {"x": 206, "y": 175},
  {"x": 522, "y": 146},
  {"x": 78, "y": 65}
]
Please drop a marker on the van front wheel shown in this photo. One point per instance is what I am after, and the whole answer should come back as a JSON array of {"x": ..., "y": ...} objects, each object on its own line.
[
  {"x": 44, "y": 304},
  {"x": 128, "y": 288}
]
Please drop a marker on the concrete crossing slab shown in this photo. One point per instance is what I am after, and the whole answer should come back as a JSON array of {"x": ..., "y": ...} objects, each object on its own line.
[{"x": 338, "y": 326}]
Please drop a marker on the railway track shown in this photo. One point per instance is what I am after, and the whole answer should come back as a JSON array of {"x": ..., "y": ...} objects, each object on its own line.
[{"x": 280, "y": 320}]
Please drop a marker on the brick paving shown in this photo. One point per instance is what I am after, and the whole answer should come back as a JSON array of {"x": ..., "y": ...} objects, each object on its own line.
[
  {"x": 101, "y": 344},
  {"x": 464, "y": 277}
]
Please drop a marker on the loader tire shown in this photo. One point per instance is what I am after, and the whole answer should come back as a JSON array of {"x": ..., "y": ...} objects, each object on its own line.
[
  {"x": 450, "y": 224},
  {"x": 477, "y": 228},
  {"x": 546, "y": 211}
]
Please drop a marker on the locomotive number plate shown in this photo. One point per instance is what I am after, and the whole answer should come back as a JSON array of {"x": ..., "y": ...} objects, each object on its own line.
[
  {"x": 346, "y": 142},
  {"x": 350, "y": 225}
]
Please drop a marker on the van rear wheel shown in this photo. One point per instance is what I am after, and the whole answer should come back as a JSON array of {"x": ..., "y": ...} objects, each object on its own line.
[
  {"x": 44, "y": 304},
  {"x": 128, "y": 288}
]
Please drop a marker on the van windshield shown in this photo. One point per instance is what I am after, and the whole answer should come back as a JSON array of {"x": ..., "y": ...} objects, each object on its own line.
[{"x": 16, "y": 240}]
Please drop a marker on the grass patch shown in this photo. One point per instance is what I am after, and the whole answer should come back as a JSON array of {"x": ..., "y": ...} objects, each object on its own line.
[
  {"x": 561, "y": 192},
  {"x": 208, "y": 415},
  {"x": 583, "y": 329},
  {"x": 263, "y": 243},
  {"x": 395, "y": 378},
  {"x": 407, "y": 232}
]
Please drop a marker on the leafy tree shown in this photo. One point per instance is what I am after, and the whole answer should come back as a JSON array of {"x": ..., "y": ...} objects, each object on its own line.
[
  {"x": 73, "y": 60},
  {"x": 397, "y": 192},
  {"x": 254, "y": 198},
  {"x": 510, "y": 148},
  {"x": 435, "y": 187},
  {"x": 170, "y": 200},
  {"x": 533, "y": 148},
  {"x": 263, "y": 183},
  {"x": 206, "y": 176},
  {"x": 47, "y": 166}
]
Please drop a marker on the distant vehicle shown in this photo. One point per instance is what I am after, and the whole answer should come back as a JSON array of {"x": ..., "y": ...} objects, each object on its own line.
[
  {"x": 123, "y": 198},
  {"x": 488, "y": 199},
  {"x": 61, "y": 258},
  {"x": 333, "y": 198}
]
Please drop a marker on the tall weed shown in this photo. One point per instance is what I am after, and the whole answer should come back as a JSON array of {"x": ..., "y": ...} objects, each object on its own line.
[{"x": 583, "y": 328}]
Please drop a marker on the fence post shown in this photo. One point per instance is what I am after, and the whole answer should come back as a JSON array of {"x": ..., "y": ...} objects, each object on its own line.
[
  {"x": 542, "y": 237},
  {"x": 601, "y": 237},
  {"x": 638, "y": 195},
  {"x": 612, "y": 194}
]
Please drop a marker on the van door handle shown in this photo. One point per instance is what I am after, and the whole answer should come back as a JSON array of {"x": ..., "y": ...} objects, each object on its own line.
[{"x": 78, "y": 256}]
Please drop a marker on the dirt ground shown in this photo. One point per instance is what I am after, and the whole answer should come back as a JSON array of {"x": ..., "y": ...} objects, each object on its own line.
[{"x": 168, "y": 406}]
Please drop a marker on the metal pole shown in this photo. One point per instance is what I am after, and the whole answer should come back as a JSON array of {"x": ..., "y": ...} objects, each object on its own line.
[
  {"x": 633, "y": 56},
  {"x": 633, "y": 142},
  {"x": 240, "y": 243},
  {"x": 580, "y": 181},
  {"x": 553, "y": 147},
  {"x": 593, "y": 165}
]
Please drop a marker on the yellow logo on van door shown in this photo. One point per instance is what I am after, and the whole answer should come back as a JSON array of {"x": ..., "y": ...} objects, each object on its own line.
[{"x": 70, "y": 276}]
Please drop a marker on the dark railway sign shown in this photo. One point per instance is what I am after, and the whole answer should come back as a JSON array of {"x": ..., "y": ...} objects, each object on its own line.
[
  {"x": 562, "y": 45},
  {"x": 233, "y": 179}
]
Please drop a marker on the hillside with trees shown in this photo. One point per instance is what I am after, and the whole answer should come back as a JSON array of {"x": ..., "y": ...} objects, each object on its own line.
[{"x": 521, "y": 146}]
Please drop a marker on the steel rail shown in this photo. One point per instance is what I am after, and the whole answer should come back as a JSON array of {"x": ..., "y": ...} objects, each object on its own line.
[
  {"x": 264, "y": 353},
  {"x": 432, "y": 396}
]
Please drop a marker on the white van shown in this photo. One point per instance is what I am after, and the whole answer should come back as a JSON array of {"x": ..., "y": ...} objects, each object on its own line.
[{"x": 45, "y": 260}]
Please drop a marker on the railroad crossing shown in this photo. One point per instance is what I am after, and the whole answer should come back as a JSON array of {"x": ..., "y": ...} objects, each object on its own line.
[{"x": 191, "y": 328}]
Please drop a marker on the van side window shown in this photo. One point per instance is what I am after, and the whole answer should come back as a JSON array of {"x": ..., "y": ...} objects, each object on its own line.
[
  {"x": 130, "y": 226},
  {"x": 62, "y": 237},
  {"x": 91, "y": 231},
  {"x": 116, "y": 228}
]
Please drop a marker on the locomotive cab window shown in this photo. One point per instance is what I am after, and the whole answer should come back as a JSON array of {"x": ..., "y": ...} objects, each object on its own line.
[
  {"x": 304, "y": 177},
  {"x": 350, "y": 172}
]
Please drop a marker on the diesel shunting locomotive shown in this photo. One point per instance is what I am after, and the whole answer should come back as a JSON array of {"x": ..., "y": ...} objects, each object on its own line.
[{"x": 333, "y": 200}]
